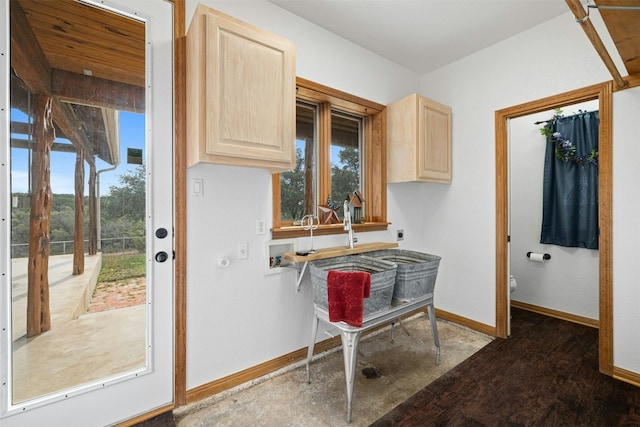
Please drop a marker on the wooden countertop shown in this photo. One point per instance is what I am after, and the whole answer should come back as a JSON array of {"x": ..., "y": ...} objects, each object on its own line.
[{"x": 338, "y": 251}]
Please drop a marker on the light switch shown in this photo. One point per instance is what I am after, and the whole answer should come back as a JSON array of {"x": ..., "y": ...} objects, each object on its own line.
[{"x": 197, "y": 187}]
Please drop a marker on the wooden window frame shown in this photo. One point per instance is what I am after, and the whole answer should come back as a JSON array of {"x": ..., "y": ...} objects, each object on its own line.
[{"x": 375, "y": 159}]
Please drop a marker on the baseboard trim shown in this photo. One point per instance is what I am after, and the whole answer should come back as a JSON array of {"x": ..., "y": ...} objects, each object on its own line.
[
  {"x": 246, "y": 375},
  {"x": 146, "y": 416},
  {"x": 472, "y": 324},
  {"x": 626, "y": 376},
  {"x": 586, "y": 321},
  {"x": 223, "y": 384}
]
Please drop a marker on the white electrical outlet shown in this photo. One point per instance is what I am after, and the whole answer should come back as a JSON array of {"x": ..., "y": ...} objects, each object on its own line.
[
  {"x": 261, "y": 226},
  {"x": 243, "y": 251}
]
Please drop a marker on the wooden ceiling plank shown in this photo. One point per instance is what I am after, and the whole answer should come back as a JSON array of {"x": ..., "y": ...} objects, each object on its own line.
[
  {"x": 87, "y": 90},
  {"x": 623, "y": 26},
  {"x": 53, "y": 37},
  {"x": 60, "y": 22},
  {"x": 77, "y": 36},
  {"x": 71, "y": 12}
]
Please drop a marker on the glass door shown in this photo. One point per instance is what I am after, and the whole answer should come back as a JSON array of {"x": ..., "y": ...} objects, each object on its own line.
[{"x": 87, "y": 223}]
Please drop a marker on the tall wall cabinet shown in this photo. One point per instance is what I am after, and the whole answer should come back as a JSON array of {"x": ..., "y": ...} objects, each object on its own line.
[
  {"x": 240, "y": 94},
  {"x": 418, "y": 140}
]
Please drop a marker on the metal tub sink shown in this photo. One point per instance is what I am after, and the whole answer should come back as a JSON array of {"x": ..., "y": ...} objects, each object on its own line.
[
  {"x": 383, "y": 276},
  {"x": 416, "y": 273}
]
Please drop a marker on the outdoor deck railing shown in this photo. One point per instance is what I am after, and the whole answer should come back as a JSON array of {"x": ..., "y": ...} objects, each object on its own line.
[{"x": 63, "y": 247}]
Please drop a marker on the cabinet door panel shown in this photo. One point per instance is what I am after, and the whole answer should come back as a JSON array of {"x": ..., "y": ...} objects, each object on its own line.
[
  {"x": 435, "y": 151},
  {"x": 418, "y": 141},
  {"x": 247, "y": 98}
]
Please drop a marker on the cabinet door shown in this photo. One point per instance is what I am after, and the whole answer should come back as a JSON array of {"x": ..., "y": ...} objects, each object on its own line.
[
  {"x": 241, "y": 84},
  {"x": 434, "y": 141}
]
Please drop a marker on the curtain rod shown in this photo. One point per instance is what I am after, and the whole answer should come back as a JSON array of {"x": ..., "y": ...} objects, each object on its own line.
[
  {"x": 612, "y": 7},
  {"x": 553, "y": 118}
]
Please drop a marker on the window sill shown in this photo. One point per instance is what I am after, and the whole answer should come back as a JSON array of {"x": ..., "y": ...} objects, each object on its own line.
[{"x": 325, "y": 230}]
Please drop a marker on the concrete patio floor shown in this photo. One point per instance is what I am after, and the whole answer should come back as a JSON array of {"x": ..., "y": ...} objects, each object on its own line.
[{"x": 81, "y": 347}]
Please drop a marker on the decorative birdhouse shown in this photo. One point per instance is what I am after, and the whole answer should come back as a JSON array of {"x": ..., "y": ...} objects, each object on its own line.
[{"x": 356, "y": 200}]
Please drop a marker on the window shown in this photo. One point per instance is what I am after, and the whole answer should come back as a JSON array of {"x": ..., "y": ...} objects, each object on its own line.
[{"x": 340, "y": 148}]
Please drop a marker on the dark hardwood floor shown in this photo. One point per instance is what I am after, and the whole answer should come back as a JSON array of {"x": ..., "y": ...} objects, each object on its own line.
[{"x": 546, "y": 374}]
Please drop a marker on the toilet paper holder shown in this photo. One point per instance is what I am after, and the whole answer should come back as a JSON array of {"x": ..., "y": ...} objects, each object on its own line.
[{"x": 544, "y": 256}]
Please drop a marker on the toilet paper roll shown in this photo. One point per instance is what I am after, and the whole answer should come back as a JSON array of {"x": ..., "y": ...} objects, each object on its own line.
[
  {"x": 536, "y": 257},
  {"x": 223, "y": 262}
]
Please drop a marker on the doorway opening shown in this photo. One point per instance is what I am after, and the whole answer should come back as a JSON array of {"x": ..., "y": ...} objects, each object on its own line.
[{"x": 602, "y": 93}]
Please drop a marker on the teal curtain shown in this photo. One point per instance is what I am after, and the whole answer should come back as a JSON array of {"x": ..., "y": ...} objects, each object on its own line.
[{"x": 570, "y": 187}]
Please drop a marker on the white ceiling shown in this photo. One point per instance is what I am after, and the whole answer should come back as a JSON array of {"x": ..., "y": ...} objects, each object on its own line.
[{"x": 423, "y": 35}]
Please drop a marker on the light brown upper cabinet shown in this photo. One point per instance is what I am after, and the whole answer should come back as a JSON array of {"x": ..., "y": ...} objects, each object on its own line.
[
  {"x": 240, "y": 94},
  {"x": 418, "y": 141}
]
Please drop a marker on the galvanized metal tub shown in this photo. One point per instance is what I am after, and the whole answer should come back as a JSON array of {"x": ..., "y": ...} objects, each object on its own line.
[
  {"x": 383, "y": 276},
  {"x": 416, "y": 273}
]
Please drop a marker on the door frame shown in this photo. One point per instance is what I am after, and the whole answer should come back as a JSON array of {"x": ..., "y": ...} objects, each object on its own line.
[
  {"x": 603, "y": 93},
  {"x": 180, "y": 220}
]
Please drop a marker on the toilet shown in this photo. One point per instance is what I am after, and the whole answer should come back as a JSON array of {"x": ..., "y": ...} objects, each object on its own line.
[{"x": 512, "y": 283}]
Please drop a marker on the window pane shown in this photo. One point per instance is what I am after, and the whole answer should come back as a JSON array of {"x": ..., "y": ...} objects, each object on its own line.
[
  {"x": 346, "y": 133},
  {"x": 297, "y": 186}
]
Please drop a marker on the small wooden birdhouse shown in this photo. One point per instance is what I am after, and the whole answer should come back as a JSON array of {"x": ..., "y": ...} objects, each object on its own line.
[{"x": 356, "y": 200}]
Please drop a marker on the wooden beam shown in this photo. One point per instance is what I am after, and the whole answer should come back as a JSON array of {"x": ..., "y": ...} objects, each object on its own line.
[
  {"x": 95, "y": 92},
  {"x": 93, "y": 211},
  {"x": 583, "y": 19},
  {"x": 66, "y": 119},
  {"x": 38, "y": 311},
  {"x": 27, "y": 59},
  {"x": 56, "y": 146},
  {"x": 78, "y": 234}
]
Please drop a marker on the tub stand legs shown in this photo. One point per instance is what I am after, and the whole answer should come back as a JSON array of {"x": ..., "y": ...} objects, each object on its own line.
[
  {"x": 434, "y": 330},
  {"x": 314, "y": 332},
  {"x": 350, "y": 336},
  {"x": 350, "y": 342}
]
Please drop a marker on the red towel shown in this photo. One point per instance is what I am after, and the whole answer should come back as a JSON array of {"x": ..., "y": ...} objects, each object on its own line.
[{"x": 346, "y": 291}]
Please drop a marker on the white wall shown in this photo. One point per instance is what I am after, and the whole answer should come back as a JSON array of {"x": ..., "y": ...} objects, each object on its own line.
[
  {"x": 237, "y": 317},
  {"x": 549, "y": 59},
  {"x": 569, "y": 281},
  {"x": 626, "y": 229}
]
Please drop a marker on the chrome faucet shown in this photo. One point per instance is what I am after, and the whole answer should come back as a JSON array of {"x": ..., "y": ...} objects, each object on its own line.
[{"x": 347, "y": 222}]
